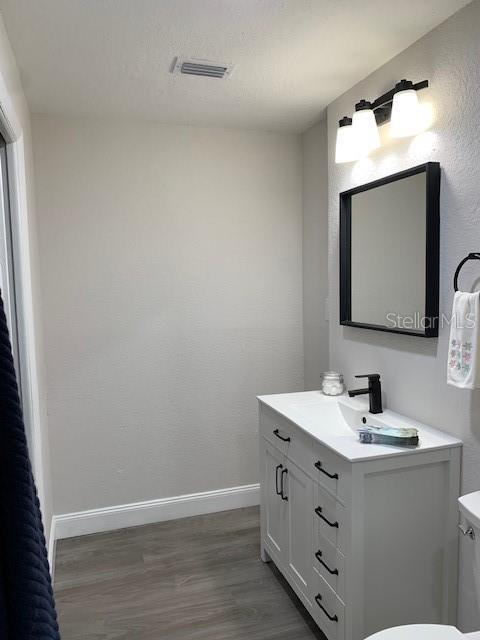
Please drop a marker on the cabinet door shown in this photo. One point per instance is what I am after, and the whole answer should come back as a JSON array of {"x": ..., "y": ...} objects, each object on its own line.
[
  {"x": 298, "y": 488},
  {"x": 275, "y": 503}
]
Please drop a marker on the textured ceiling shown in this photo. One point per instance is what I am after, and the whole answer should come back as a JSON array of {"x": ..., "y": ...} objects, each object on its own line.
[{"x": 292, "y": 57}]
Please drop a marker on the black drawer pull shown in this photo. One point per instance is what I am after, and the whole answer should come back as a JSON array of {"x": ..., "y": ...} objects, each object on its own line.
[
  {"x": 319, "y": 513},
  {"x": 318, "y": 556},
  {"x": 284, "y": 472},
  {"x": 318, "y": 598},
  {"x": 279, "y": 466},
  {"x": 330, "y": 475},
  {"x": 276, "y": 433}
]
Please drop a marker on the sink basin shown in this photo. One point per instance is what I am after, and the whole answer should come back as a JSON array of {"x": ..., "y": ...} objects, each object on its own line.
[
  {"x": 352, "y": 412},
  {"x": 356, "y": 414},
  {"x": 335, "y": 414},
  {"x": 341, "y": 415},
  {"x": 470, "y": 508}
]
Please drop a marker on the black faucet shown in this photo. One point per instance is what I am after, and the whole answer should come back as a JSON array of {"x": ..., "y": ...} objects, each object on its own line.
[{"x": 374, "y": 391}]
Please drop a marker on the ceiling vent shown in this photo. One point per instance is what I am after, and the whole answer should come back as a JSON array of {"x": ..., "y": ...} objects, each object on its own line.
[{"x": 198, "y": 67}]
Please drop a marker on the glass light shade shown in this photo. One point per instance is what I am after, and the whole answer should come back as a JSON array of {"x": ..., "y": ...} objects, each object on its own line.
[
  {"x": 406, "y": 117},
  {"x": 366, "y": 131},
  {"x": 346, "y": 149}
]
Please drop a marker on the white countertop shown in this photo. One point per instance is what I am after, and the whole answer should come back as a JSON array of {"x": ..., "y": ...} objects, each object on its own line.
[{"x": 322, "y": 418}]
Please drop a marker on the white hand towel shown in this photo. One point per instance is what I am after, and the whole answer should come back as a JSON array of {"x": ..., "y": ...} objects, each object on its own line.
[{"x": 463, "y": 369}]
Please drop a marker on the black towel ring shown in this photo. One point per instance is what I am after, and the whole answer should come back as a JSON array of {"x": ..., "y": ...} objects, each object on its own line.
[{"x": 471, "y": 256}]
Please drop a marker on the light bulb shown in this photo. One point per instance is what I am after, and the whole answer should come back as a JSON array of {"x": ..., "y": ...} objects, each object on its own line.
[
  {"x": 406, "y": 119},
  {"x": 346, "y": 149},
  {"x": 365, "y": 128}
]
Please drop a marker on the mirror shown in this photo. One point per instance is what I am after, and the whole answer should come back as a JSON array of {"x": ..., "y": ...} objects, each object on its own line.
[{"x": 389, "y": 253}]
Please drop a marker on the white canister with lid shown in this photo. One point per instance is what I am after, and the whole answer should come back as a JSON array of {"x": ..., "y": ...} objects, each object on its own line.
[{"x": 332, "y": 383}]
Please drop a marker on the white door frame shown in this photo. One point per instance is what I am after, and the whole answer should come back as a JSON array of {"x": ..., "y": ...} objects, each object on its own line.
[{"x": 12, "y": 131}]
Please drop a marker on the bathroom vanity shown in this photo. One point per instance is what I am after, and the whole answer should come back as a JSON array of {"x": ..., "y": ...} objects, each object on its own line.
[{"x": 365, "y": 534}]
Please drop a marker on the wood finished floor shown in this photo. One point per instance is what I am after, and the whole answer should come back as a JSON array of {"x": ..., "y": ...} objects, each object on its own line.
[{"x": 192, "y": 579}]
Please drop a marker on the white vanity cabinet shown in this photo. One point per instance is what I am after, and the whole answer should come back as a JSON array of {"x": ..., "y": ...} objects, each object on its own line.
[{"x": 365, "y": 534}]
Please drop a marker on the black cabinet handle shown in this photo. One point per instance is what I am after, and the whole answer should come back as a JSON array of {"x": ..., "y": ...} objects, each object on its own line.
[
  {"x": 330, "y": 475},
  {"x": 318, "y": 598},
  {"x": 319, "y": 513},
  {"x": 318, "y": 556},
  {"x": 283, "y": 474},
  {"x": 279, "y": 466},
  {"x": 276, "y": 433}
]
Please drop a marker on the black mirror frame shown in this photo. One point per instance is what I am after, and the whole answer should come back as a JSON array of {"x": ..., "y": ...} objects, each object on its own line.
[{"x": 432, "y": 250}]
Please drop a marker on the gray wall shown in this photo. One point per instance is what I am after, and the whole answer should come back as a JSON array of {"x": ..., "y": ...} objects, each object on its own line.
[
  {"x": 413, "y": 369},
  {"x": 315, "y": 253},
  {"x": 171, "y": 269}
]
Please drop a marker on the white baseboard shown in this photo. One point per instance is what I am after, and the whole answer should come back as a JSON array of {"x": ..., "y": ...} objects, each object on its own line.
[{"x": 81, "y": 523}]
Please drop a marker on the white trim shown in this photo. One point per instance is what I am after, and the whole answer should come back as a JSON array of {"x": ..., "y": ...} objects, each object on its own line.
[
  {"x": 137, "y": 513},
  {"x": 26, "y": 323},
  {"x": 52, "y": 545}
]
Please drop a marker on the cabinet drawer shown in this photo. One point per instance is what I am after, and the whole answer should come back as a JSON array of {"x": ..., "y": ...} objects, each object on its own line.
[
  {"x": 277, "y": 430},
  {"x": 330, "y": 519},
  {"x": 329, "y": 563},
  {"x": 331, "y": 471},
  {"x": 328, "y": 610}
]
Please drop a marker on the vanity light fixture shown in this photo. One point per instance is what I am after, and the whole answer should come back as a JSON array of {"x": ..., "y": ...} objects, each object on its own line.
[
  {"x": 399, "y": 105},
  {"x": 406, "y": 118},
  {"x": 346, "y": 149},
  {"x": 365, "y": 128}
]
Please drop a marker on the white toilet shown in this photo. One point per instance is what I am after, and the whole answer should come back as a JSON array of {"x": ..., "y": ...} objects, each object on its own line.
[{"x": 470, "y": 509}]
